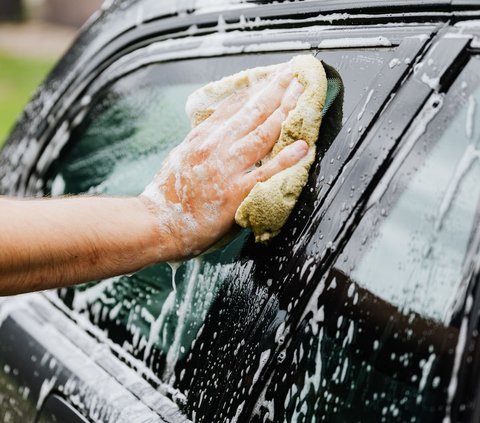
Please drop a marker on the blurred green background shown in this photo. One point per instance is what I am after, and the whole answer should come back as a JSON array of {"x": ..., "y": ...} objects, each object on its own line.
[
  {"x": 34, "y": 34},
  {"x": 19, "y": 77}
]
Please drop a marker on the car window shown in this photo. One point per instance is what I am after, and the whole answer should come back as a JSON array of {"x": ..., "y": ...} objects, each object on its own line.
[
  {"x": 377, "y": 339},
  {"x": 158, "y": 313}
]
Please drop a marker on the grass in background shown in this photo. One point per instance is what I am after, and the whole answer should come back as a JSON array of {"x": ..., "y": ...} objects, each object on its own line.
[{"x": 19, "y": 78}]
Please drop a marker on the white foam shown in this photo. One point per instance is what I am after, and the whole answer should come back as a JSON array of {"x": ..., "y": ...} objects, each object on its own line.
[
  {"x": 362, "y": 112},
  {"x": 460, "y": 348},
  {"x": 470, "y": 121},
  {"x": 277, "y": 46},
  {"x": 426, "y": 369},
  {"x": 394, "y": 62},
  {"x": 432, "y": 82},
  {"x": 173, "y": 352},
  {"x": 417, "y": 129},
  {"x": 88, "y": 296},
  {"x": 174, "y": 267},
  {"x": 379, "y": 41},
  {"x": 58, "y": 186},
  {"x": 45, "y": 389},
  {"x": 264, "y": 356},
  {"x": 158, "y": 324}
]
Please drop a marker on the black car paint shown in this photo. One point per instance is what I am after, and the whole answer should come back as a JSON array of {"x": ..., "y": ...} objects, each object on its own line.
[
  {"x": 411, "y": 96},
  {"x": 50, "y": 354}
]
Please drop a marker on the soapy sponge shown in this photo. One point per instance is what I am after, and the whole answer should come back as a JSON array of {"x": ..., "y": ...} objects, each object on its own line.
[{"x": 269, "y": 204}]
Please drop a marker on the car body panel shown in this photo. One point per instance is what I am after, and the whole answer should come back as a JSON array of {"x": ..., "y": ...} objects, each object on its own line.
[
  {"x": 47, "y": 353},
  {"x": 231, "y": 379}
]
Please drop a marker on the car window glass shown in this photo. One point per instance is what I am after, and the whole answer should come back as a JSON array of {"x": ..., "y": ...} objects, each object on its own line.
[
  {"x": 130, "y": 127},
  {"x": 417, "y": 255},
  {"x": 123, "y": 142},
  {"x": 377, "y": 339}
]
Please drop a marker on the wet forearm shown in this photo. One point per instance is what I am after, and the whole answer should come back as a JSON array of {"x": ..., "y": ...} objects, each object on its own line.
[{"x": 56, "y": 242}]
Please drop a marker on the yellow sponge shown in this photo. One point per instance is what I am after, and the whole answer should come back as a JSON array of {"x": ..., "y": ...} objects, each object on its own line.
[{"x": 267, "y": 207}]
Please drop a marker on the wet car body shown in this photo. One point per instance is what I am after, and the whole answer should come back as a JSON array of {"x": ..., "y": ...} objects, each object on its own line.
[{"x": 341, "y": 318}]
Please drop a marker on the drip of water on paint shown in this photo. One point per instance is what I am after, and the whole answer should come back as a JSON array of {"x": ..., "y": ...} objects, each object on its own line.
[{"x": 174, "y": 265}]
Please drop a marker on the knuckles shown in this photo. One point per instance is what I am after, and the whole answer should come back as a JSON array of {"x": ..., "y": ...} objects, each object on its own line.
[{"x": 198, "y": 155}]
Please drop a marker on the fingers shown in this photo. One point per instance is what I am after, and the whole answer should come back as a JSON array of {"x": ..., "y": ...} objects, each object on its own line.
[
  {"x": 256, "y": 145},
  {"x": 257, "y": 109},
  {"x": 224, "y": 110},
  {"x": 288, "y": 157},
  {"x": 231, "y": 105}
]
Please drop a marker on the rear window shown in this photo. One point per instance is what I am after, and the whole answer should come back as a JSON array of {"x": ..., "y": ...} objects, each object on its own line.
[{"x": 158, "y": 313}]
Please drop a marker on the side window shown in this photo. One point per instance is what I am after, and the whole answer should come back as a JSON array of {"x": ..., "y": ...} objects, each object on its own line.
[
  {"x": 160, "y": 313},
  {"x": 377, "y": 340}
]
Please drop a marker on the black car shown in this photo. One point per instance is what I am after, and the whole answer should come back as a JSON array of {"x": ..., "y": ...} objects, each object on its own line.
[{"x": 364, "y": 309}]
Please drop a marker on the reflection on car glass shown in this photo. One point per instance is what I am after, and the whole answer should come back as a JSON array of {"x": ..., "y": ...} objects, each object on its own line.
[
  {"x": 417, "y": 255},
  {"x": 125, "y": 140}
]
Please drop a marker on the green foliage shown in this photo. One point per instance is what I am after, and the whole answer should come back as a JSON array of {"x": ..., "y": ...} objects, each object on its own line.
[{"x": 19, "y": 78}]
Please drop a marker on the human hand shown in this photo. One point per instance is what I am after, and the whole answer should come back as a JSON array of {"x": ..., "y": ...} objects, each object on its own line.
[{"x": 199, "y": 187}]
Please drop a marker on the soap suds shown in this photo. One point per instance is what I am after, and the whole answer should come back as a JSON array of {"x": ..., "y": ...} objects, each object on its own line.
[
  {"x": 394, "y": 62},
  {"x": 418, "y": 128},
  {"x": 158, "y": 325},
  {"x": 460, "y": 348},
  {"x": 432, "y": 82},
  {"x": 173, "y": 352},
  {"x": 45, "y": 389},
  {"x": 275, "y": 46},
  {"x": 355, "y": 42},
  {"x": 261, "y": 364},
  {"x": 362, "y": 112},
  {"x": 469, "y": 125},
  {"x": 174, "y": 267}
]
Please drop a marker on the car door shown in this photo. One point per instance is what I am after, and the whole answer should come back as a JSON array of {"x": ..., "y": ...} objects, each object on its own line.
[
  {"x": 190, "y": 330},
  {"x": 199, "y": 335}
]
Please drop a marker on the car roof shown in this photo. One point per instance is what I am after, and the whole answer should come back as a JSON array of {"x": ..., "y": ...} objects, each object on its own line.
[
  {"x": 279, "y": 7},
  {"x": 147, "y": 9},
  {"x": 178, "y": 6}
]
